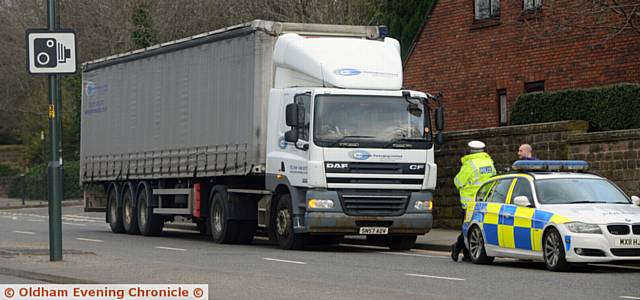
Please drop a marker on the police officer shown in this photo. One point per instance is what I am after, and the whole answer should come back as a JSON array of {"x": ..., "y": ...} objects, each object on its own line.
[{"x": 477, "y": 167}]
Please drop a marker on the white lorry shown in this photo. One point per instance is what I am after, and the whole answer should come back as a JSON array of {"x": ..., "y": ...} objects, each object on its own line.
[{"x": 293, "y": 130}]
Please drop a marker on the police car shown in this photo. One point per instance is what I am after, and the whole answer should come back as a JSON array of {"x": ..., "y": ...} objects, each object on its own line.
[{"x": 552, "y": 211}]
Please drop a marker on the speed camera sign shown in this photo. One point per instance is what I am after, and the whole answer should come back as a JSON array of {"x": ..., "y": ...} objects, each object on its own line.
[{"x": 51, "y": 52}]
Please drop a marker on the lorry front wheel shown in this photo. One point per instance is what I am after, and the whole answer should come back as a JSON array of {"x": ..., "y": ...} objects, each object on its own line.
[
  {"x": 114, "y": 212},
  {"x": 149, "y": 224},
  {"x": 287, "y": 238},
  {"x": 224, "y": 231},
  {"x": 401, "y": 243}
]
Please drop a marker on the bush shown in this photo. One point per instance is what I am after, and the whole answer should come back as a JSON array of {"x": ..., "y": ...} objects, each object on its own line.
[
  {"x": 7, "y": 170},
  {"x": 605, "y": 108},
  {"x": 36, "y": 182}
]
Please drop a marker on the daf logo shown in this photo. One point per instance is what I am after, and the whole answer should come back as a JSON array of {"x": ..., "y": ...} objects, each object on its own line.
[
  {"x": 337, "y": 166},
  {"x": 416, "y": 167},
  {"x": 360, "y": 154}
]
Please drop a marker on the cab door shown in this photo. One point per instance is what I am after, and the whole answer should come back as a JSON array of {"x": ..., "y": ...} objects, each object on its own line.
[{"x": 524, "y": 233}]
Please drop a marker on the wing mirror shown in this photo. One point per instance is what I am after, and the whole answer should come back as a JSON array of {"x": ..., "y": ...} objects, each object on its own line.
[
  {"x": 635, "y": 200},
  {"x": 522, "y": 201}
]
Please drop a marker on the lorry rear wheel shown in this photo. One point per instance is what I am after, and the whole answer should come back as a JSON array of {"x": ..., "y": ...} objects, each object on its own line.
[
  {"x": 149, "y": 223},
  {"x": 287, "y": 238},
  {"x": 401, "y": 243},
  {"x": 114, "y": 213},
  {"x": 223, "y": 230},
  {"x": 129, "y": 218}
]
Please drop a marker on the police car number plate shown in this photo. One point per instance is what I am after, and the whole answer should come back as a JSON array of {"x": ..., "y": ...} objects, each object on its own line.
[
  {"x": 374, "y": 230},
  {"x": 628, "y": 242}
]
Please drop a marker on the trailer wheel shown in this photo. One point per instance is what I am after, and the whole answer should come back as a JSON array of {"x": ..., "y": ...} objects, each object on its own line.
[
  {"x": 287, "y": 238},
  {"x": 129, "y": 218},
  {"x": 114, "y": 212},
  {"x": 149, "y": 223},
  {"x": 223, "y": 230}
]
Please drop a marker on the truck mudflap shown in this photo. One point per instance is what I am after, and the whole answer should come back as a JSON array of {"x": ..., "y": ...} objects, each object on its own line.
[
  {"x": 337, "y": 222},
  {"x": 95, "y": 198}
]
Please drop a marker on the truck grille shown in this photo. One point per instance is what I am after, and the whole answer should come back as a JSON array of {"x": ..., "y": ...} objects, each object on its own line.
[
  {"x": 374, "y": 203},
  {"x": 625, "y": 252},
  {"x": 374, "y": 180},
  {"x": 618, "y": 229}
]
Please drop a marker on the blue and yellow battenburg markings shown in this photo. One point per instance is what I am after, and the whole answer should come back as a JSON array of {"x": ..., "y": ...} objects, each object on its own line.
[{"x": 511, "y": 226}]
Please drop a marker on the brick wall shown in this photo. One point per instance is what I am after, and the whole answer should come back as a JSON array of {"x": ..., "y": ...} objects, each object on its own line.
[
  {"x": 613, "y": 154},
  {"x": 470, "y": 63}
]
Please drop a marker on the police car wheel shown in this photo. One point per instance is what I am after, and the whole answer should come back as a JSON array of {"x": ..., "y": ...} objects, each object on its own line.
[
  {"x": 476, "y": 247},
  {"x": 553, "y": 249}
]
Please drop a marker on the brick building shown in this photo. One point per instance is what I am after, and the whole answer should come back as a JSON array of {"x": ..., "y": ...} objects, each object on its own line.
[{"x": 482, "y": 54}]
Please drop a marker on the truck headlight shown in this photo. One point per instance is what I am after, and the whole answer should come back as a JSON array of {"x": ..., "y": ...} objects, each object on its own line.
[
  {"x": 579, "y": 227},
  {"x": 423, "y": 205},
  {"x": 315, "y": 203}
]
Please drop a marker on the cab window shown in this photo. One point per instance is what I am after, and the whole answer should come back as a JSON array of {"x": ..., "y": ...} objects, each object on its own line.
[
  {"x": 484, "y": 191},
  {"x": 522, "y": 188},
  {"x": 499, "y": 194},
  {"x": 305, "y": 100}
]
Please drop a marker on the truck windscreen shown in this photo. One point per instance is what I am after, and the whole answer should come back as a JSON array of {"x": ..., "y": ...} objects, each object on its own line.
[{"x": 369, "y": 121}]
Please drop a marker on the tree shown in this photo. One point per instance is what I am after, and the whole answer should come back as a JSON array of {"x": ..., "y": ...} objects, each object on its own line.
[
  {"x": 143, "y": 35},
  {"x": 404, "y": 19}
]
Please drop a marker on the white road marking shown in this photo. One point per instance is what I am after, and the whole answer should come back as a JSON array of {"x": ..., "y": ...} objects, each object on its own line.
[
  {"x": 24, "y": 232},
  {"x": 285, "y": 261},
  {"x": 34, "y": 220},
  {"x": 617, "y": 266},
  {"x": 85, "y": 217},
  {"x": 629, "y": 297},
  {"x": 74, "y": 224},
  {"x": 169, "y": 248},
  {"x": 436, "y": 277},
  {"x": 90, "y": 240},
  {"x": 412, "y": 254}
]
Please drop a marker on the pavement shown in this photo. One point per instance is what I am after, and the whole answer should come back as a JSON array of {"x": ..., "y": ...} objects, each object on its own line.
[
  {"x": 437, "y": 239},
  {"x": 17, "y": 203}
]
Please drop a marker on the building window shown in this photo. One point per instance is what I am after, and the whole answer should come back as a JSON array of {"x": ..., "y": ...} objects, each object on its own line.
[
  {"x": 502, "y": 107},
  {"x": 533, "y": 87},
  {"x": 487, "y": 9},
  {"x": 531, "y": 5}
]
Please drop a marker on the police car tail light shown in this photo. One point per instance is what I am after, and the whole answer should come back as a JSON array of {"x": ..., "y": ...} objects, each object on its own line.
[
  {"x": 579, "y": 227},
  {"x": 550, "y": 165},
  {"x": 423, "y": 205},
  {"x": 315, "y": 203}
]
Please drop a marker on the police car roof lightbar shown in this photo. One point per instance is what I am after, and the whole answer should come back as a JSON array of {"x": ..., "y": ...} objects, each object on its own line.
[{"x": 550, "y": 165}]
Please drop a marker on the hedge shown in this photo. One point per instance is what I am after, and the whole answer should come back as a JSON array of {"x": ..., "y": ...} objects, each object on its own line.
[
  {"x": 605, "y": 108},
  {"x": 36, "y": 182}
]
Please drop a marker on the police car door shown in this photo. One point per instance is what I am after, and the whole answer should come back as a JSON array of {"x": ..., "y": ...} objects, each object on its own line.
[
  {"x": 496, "y": 225},
  {"x": 527, "y": 239}
]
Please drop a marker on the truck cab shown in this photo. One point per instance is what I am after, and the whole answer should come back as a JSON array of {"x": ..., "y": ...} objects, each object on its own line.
[{"x": 350, "y": 148}]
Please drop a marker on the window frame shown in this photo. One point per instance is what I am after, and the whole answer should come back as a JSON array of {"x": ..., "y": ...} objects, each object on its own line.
[
  {"x": 532, "y": 200},
  {"x": 299, "y": 99},
  {"x": 501, "y": 107},
  {"x": 492, "y": 15},
  {"x": 490, "y": 189},
  {"x": 534, "y": 7},
  {"x": 495, "y": 186},
  {"x": 534, "y": 87}
]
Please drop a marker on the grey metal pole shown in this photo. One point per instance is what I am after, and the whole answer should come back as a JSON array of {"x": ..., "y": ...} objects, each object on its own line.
[{"x": 55, "y": 165}]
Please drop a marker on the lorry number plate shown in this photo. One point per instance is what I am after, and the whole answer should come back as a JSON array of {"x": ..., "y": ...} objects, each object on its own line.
[{"x": 374, "y": 230}]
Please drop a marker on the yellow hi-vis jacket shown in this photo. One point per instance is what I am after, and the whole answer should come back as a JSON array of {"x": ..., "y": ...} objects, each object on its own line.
[{"x": 476, "y": 169}]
